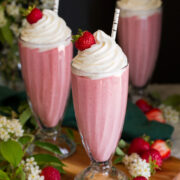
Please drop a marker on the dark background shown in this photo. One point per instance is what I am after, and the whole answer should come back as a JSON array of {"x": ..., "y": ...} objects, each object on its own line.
[{"x": 98, "y": 14}]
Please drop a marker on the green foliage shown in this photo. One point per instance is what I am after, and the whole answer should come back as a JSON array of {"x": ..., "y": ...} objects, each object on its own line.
[
  {"x": 48, "y": 146},
  {"x": 3, "y": 175},
  {"x": 25, "y": 115},
  {"x": 11, "y": 152}
]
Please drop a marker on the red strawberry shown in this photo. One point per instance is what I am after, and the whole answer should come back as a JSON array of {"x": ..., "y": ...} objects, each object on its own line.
[
  {"x": 138, "y": 145},
  {"x": 163, "y": 148},
  {"x": 143, "y": 105},
  {"x": 50, "y": 173},
  {"x": 34, "y": 16},
  {"x": 154, "y": 156},
  {"x": 156, "y": 115},
  {"x": 140, "y": 178},
  {"x": 84, "y": 40}
]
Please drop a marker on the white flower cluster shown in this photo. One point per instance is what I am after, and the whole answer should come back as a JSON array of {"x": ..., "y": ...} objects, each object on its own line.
[
  {"x": 3, "y": 20},
  {"x": 31, "y": 169},
  {"x": 15, "y": 29},
  {"x": 137, "y": 166},
  {"x": 10, "y": 129},
  {"x": 13, "y": 9},
  {"x": 47, "y": 4},
  {"x": 170, "y": 114}
]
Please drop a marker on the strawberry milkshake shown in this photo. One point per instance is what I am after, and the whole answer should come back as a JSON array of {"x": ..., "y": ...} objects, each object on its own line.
[
  {"x": 46, "y": 53},
  {"x": 139, "y": 35},
  {"x": 100, "y": 87}
]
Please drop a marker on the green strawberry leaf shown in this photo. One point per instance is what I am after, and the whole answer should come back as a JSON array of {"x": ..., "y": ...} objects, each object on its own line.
[
  {"x": 26, "y": 139},
  {"x": 48, "y": 146},
  {"x": 3, "y": 175},
  {"x": 11, "y": 152}
]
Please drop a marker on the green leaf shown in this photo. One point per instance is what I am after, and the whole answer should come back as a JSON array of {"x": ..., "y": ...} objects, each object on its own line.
[
  {"x": 6, "y": 110},
  {"x": 119, "y": 152},
  {"x": 26, "y": 114},
  {"x": 20, "y": 174},
  {"x": 122, "y": 144},
  {"x": 118, "y": 160},
  {"x": 26, "y": 139},
  {"x": 70, "y": 133},
  {"x": 60, "y": 169},
  {"x": 48, "y": 146},
  {"x": 42, "y": 159},
  {"x": 7, "y": 34},
  {"x": 3, "y": 175},
  {"x": 11, "y": 152},
  {"x": 173, "y": 101}
]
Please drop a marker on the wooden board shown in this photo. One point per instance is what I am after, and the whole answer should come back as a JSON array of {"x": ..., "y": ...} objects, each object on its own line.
[{"x": 79, "y": 161}]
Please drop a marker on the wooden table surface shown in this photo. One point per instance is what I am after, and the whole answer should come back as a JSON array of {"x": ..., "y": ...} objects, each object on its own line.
[{"x": 79, "y": 161}]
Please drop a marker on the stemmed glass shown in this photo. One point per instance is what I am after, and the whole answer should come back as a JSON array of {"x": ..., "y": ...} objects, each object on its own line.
[
  {"x": 139, "y": 34},
  {"x": 47, "y": 76},
  {"x": 100, "y": 107}
]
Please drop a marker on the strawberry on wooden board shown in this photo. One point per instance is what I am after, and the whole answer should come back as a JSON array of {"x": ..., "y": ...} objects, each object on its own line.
[
  {"x": 153, "y": 157},
  {"x": 50, "y": 173},
  {"x": 163, "y": 147},
  {"x": 140, "y": 178},
  {"x": 156, "y": 115},
  {"x": 143, "y": 105},
  {"x": 138, "y": 145},
  {"x": 83, "y": 40},
  {"x": 34, "y": 15}
]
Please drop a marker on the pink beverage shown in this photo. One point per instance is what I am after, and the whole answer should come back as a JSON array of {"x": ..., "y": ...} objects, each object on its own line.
[
  {"x": 100, "y": 107},
  {"x": 139, "y": 35},
  {"x": 100, "y": 76},
  {"x": 46, "y": 73},
  {"x": 46, "y": 53}
]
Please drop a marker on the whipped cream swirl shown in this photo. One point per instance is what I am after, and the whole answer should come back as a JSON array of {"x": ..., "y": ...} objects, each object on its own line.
[
  {"x": 103, "y": 59},
  {"x": 139, "y": 4},
  {"x": 50, "y": 29}
]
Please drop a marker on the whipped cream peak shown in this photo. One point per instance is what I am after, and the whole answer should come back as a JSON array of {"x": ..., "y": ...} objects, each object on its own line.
[
  {"x": 49, "y": 29},
  {"x": 103, "y": 59},
  {"x": 139, "y": 4}
]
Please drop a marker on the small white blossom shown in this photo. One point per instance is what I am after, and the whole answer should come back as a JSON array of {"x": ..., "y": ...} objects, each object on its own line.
[
  {"x": 170, "y": 114},
  {"x": 13, "y": 9},
  {"x": 31, "y": 169},
  {"x": 3, "y": 20},
  {"x": 10, "y": 129},
  {"x": 137, "y": 166},
  {"x": 15, "y": 29}
]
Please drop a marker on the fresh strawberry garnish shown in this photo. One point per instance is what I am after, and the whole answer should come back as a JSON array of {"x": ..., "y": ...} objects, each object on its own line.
[
  {"x": 156, "y": 115},
  {"x": 153, "y": 157},
  {"x": 50, "y": 173},
  {"x": 143, "y": 105},
  {"x": 83, "y": 40},
  {"x": 163, "y": 147},
  {"x": 34, "y": 15},
  {"x": 138, "y": 145},
  {"x": 140, "y": 178}
]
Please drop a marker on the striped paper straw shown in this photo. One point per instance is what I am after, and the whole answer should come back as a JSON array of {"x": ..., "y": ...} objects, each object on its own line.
[{"x": 115, "y": 23}]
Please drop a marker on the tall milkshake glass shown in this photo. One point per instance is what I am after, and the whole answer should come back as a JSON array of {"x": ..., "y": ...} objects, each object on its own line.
[
  {"x": 100, "y": 88},
  {"x": 47, "y": 77},
  {"x": 139, "y": 34}
]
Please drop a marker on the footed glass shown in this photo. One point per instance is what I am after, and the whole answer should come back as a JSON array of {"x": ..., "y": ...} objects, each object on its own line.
[
  {"x": 100, "y": 107},
  {"x": 139, "y": 33},
  {"x": 47, "y": 77}
]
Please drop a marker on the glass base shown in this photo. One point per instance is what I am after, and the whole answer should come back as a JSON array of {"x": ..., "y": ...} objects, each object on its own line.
[
  {"x": 137, "y": 93},
  {"x": 101, "y": 171},
  {"x": 66, "y": 146}
]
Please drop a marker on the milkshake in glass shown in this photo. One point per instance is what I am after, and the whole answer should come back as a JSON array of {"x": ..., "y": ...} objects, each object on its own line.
[
  {"x": 46, "y": 53},
  {"x": 139, "y": 34},
  {"x": 100, "y": 88}
]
